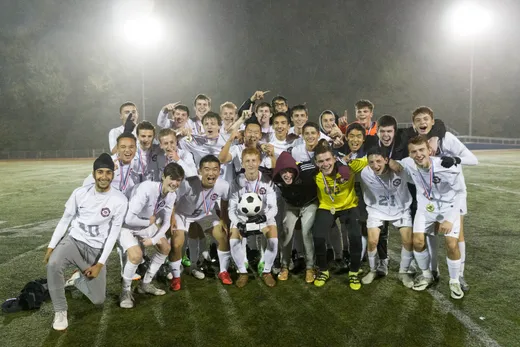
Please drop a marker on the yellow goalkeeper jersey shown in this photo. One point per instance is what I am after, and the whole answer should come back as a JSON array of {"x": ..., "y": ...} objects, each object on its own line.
[{"x": 342, "y": 194}]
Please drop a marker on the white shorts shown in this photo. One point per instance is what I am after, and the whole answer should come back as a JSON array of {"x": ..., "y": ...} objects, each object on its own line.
[
  {"x": 463, "y": 203},
  {"x": 268, "y": 223},
  {"x": 129, "y": 238},
  {"x": 404, "y": 222},
  {"x": 425, "y": 223},
  {"x": 206, "y": 222}
]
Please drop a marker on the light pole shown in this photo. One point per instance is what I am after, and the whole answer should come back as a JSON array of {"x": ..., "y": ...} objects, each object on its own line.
[
  {"x": 467, "y": 21},
  {"x": 143, "y": 33}
]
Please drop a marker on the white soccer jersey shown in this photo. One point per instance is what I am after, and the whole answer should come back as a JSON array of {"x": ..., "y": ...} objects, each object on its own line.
[
  {"x": 95, "y": 218},
  {"x": 114, "y": 134},
  {"x": 201, "y": 146},
  {"x": 125, "y": 177},
  {"x": 386, "y": 197},
  {"x": 196, "y": 202},
  {"x": 185, "y": 160},
  {"x": 279, "y": 146},
  {"x": 263, "y": 186},
  {"x": 147, "y": 201},
  {"x": 236, "y": 155},
  {"x": 196, "y": 126},
  {"x": 301, "y": 154},
  {"x": 144, "y": 162},
  {"x": 444, "y": 186}
]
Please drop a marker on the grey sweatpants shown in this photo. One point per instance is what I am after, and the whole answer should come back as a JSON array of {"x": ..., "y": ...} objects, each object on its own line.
[
  {"x": 72, "y": 252},
  {"x": 307, "y": 214}
]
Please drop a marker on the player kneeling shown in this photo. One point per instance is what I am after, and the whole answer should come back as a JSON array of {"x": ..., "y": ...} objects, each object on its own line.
[
  {"x": 439, "y": 192},
  {"x": 388, "y": 199},
  {"x": 198, "y": 197},
  {"x": 252, "y": 181},
  {"x": 150, "y": 204}
]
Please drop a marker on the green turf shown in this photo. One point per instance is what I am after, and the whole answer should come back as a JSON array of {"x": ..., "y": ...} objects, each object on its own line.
[{"x": 205, "y": 313}]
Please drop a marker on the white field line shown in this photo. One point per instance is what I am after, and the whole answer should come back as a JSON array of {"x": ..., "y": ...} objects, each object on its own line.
[
  {"x": 498, "y": 165},
  {"x": 447, "y": 307},
  {"x": 46, "y": 186},
  {"x": 196, "y": 329},
  {"x": 32, "y": 227},
  {"x": 158, "y": 313},
  {"x": 232, "y": 315},
  {"x": 495, "y": 188},
  {"x": 13, "y": 261},
  {"x": 103, "y": 323},
  {"x": 3, "y": 221}
]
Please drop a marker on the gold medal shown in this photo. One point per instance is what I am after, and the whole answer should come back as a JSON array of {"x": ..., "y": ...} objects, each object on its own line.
[
  {"x": 332, "y": 210},
  {"x": 430, "y": 207}
]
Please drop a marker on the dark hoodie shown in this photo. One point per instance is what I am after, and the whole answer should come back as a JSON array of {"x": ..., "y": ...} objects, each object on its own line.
[{"x": 303, "y": 190}]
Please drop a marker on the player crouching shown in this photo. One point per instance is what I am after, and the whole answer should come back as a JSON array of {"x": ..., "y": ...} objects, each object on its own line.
[
  {"x": 150, "y": 203},
  {"x": 252, "y": 181},
  {"x": 198, "y": 196},
  {"x": 388, "y": 199}
]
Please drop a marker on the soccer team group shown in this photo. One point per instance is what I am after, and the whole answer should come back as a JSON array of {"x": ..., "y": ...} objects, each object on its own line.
[{"x": 181, "y": 188}]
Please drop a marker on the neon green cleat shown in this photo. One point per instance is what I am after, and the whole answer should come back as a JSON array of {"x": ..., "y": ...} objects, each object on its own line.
[
  {"x": 246, "y": 265},
  {"x": 323, "y": 276},
  {"x": 353, "y": 280},
  {"x": 261, "y": 266},
  {"x": 185, "y": 261}
]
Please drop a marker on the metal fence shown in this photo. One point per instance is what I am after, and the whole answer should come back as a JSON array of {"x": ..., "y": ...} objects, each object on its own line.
[{"x": 52, "y": 154}]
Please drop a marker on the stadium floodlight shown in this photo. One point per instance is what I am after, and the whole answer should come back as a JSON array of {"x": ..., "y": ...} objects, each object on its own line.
[
  {"x": 144, "y": 32},
  {"x": 468, "y": 20}
]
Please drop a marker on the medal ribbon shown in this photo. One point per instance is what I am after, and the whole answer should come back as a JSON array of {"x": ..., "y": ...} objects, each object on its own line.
[
  {"x": 158, "y": 202},
  {"x": 428, "y": 188},
  {"x": 391, "y": 151},
  {"x": 142, "y": 163},
  {"x": 257, "y": 184},
  {"x": 327, "y": 188},
  {"x": 123, "y": 183},
  {"x": 206, "y": 203},
  {"x": 385, "y": 187}
]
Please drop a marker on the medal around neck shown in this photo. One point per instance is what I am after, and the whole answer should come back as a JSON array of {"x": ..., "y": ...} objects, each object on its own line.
[
  {"x": 430, "y": 207},
  {"x": 332, "y": 210}
]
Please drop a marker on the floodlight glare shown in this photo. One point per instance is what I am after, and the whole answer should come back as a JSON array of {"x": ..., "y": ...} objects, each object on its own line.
[
  {"x": 143, "y": 31},
  {"x": 469, "y": 19}
]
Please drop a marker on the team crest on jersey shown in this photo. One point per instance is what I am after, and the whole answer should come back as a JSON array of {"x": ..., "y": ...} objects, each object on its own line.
[
  {"x": 262, "y": 191},
  {"x": 436, "y": 179},
  {"x": 397, "y": 182},
  {"x": 154, "y": 157},
  {"x": 105, "y": 212},
  {"x": 162, "y": 203},
  {"x": 214, "y": 196}
]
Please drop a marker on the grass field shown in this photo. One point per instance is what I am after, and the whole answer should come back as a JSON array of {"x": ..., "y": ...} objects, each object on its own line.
[{"x": 205, "y": 313}]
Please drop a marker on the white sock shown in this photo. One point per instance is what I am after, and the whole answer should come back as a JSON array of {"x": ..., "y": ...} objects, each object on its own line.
[
  {"x": 175, "y": 267},
  {"x": 245, "y": 242},
  {"x": 270, "y": 254},
  {"x": 193, "y": 245},
  {"x": 128, "y": 274},
  {"x": 423, "y": 261},
  {"x": 372, "y": 260},
  {"x": 462, "y": 249},
  {"x": 364, "y": 246},
  {"x": 155, "y": 263},
  {"x": 122, "y": 258},
  {"x": 223, "y": 258},
  {"x": 433, "y": 250},
  {"x": 453, "y": 269},
  {"x": 406, "y": 260},
  {"x": 237, "y": 252}
]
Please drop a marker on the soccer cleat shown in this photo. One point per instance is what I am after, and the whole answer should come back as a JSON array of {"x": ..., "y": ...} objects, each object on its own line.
[
  {"x": 175, "y": 284},
  {"x": 310, "y": 274},
  {"x": 60, "y": 321},
  {"x": 406, "y": 279},
  {"x": 260, "y": 269},
  {"x": 148, "y": 288},
  {"x": 323, "y": 276},
  {"x": 70, "y": 282},
  {"x": 353, "y": 281},
  {"x": 242, "y": 280},
  {"x": 268, "y": 279},
  {"x": 284, "y": 274},
  {"x": 382, "y": 268},
  {"x": 421, "y": 283},
  {"x": 169, "y": 276},
  {"x": 413, "y": 268},
  {"x": 369, "y": 277},
  {"x": 136, "y": 277},
  {"x": 185, "y": 261},
  {"x": 225, "y": 278},
  {"x": 126, "y": 300},
  {"x": 463, "y": 284},
  {"x": 456, "y": 290},
  {"x": 198, "y": 274}
]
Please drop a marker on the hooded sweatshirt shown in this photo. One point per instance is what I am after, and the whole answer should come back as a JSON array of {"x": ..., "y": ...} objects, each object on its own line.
[
  {"x": 303, "y": 190},
  {"x": 336, "y": 119}
]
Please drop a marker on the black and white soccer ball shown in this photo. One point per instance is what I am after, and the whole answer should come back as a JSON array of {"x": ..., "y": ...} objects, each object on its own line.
[{"x": 250, "y": 204}]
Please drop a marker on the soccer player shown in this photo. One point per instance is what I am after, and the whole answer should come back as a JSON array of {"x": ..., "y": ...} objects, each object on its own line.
[
  {"x": 387, "y": 199},
  {"x": 146, "y": 224},
  {"x": 304, "y": 152},
  {"x": 175, "y": 116},
  {"x": 328, "y": 122},
  {"x": 196, "y": 203},
  {"x": 202, "y": 105},
  {"x": 439, "y": 192},
  {"x": 280, "y": 139},
  {"x": 125, "y": 177},
  {"x": 228, "y": 114},
  {"x": 364, "y": 114},
  {"x": 298, "y": 188},
  {"x": 128, "y": 109},
  {"x": 253, "y": 181},
  {"x": 279, "y": 104},
  {"x": 95, "y": 214},
  {"x": 263, "y": 114},
  {"x": 452, "y": 152},
  {"x": 171, "y": 153},
  {"x": 299, "y": 116},
  {"x": 146, "y": 151},
  {"x": 337, "y": 199}
]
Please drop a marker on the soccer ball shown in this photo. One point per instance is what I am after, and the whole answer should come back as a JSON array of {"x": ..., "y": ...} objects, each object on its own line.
[{"x": 250, "y": 204}]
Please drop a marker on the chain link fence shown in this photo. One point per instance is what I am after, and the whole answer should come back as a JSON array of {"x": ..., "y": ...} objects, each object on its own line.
[{"x": 52, "y": 154}]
